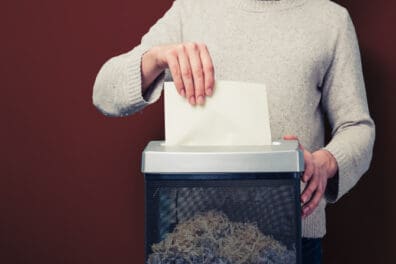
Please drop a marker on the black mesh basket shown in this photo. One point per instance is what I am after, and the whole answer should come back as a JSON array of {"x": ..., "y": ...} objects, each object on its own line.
[{"x": 222, "y": 217}]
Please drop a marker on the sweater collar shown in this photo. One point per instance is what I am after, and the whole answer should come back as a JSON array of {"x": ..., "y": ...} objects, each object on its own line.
[{"x": 266, "y": 5}]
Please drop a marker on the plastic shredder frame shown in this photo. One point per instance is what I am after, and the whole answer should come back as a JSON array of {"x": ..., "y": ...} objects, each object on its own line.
[{"x": 163, "y": 162}]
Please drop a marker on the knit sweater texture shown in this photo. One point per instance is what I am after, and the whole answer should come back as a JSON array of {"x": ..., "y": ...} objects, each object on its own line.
[{"x": 304, "y": 51}]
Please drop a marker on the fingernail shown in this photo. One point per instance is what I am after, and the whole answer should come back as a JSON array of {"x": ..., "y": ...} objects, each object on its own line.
[
  {"x": 209, "y": 92},
  {"x": 183, "y": 93},
  {"x": 201, "y": 100},
  {"x": 192, "y": 100}
]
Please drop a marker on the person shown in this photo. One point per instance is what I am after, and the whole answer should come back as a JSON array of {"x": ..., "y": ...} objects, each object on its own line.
[{"x": 307, "y": 54}]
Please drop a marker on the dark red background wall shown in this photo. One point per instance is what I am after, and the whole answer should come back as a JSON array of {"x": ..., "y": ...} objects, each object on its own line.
[{"x": 70, "y": 187}]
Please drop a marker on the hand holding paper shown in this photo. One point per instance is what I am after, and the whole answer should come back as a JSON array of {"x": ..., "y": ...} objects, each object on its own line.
[{"x": 236, "y": 114}]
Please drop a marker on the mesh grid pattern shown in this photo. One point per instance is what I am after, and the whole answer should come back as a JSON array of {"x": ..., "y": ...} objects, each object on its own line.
[{"x": 269, "y": 204}]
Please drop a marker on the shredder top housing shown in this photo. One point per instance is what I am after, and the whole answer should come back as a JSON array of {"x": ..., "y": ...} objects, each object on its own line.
[{"x": 280, "y": 156}]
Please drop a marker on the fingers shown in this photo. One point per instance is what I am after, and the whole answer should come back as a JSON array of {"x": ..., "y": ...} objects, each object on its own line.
[
  {"x": 320, "y": 188},
  {"x": 316, "y": 187},
  {"x": 313, "y": 175},
  {"x": 186, "y": 74},
  {"x": 310, "y": 189},
  {"x": 197, "y": 72},
  {"x": 192, "y": 70},
  {"x": 309, "y": 166},
  {"x": 308, "y": 177},
  {"x": 173, "y": 65},
  {"x": 208, "y": 69},
  {"x": 314, "y": 202}
]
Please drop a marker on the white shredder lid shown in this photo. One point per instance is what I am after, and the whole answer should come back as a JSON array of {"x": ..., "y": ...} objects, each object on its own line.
[{"x": 281, "y": 156}]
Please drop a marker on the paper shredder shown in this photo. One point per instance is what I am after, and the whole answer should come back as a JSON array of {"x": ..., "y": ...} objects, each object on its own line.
[{"x": 222, "y": 204}]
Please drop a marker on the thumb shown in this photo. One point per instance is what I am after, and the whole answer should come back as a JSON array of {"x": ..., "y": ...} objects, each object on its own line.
[
  {"x": 290, "y": 137},
  {"x": 293, "y": 137}
]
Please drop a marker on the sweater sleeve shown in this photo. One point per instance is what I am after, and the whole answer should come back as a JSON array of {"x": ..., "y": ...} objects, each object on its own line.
[
  {"x": 344, "y": 100},
  {"x": 118, "y": 86}
]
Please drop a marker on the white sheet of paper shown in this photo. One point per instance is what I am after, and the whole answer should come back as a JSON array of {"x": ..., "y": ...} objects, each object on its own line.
[{"x": 236, "y": 114}]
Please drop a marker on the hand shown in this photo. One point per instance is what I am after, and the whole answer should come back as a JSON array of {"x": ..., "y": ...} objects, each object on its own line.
[
  {"x": 191, "y": 67},
  {"x": 319, "y": 167}
]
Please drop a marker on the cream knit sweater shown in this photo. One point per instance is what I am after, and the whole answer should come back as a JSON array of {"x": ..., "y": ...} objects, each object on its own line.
[{"x": 305, "y": 51}]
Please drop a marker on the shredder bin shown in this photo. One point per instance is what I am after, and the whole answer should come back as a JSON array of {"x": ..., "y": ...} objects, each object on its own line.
[{"x": 222, "y": 204}]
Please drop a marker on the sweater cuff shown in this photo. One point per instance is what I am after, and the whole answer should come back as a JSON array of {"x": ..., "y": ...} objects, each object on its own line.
[
  {"x": 153, "y": 92},
  {"x": 337, "y": 186},
  {"x": 134, "y": 99}
]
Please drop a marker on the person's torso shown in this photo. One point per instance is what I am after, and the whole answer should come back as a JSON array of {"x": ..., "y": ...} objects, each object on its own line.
[{"x": 288, "y": 50}]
